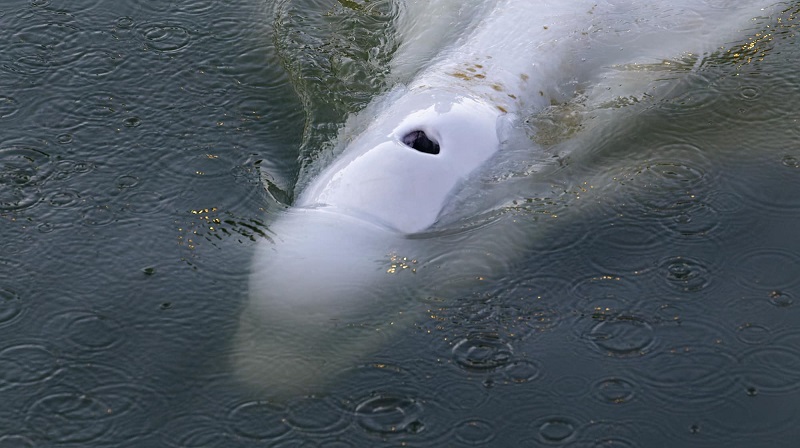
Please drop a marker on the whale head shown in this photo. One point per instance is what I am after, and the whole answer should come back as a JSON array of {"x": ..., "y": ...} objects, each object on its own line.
[
  {"x": 400, "y": 172},
  {"x": 339, "y": 264}
]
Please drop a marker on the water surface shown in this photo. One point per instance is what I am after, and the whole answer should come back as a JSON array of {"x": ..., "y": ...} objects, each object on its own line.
[{"x": 656, "y": 303}]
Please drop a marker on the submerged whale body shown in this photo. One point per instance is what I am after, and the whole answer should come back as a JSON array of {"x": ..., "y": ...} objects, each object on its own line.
[{"x": 326, "y": 284}]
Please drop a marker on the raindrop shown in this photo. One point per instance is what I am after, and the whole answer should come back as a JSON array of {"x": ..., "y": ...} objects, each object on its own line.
[
  {"x": 686, "y": 274},
  {"x": 750, "y": 93},
  {"x": 482, "y": 352},
  {"x": 557, "y": 430},
  {"x": 780, "y": 299},
  {"x": 622, "y": 336},
  {"x": 64, "y": 139},
  {"x": 385, "y": 414},
  {"x": 132, "y": 122},
  {"x": 790, "y": 161},
  {"x": 124, "y": 22},
  {"x": 127, "y": 181}
]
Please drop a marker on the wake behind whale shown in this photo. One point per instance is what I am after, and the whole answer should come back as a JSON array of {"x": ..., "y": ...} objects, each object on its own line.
[{"x": 380, "y": 225}]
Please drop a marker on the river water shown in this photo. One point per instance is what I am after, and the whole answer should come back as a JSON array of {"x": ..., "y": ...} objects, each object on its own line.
[{"x": 660, "y": 308}]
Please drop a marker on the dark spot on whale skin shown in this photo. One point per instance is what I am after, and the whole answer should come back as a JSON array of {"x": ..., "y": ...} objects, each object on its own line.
[{"x": 421, "y": 142}]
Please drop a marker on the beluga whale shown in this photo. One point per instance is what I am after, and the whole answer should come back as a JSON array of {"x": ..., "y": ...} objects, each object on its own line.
[{"x": 376, "y": 227}]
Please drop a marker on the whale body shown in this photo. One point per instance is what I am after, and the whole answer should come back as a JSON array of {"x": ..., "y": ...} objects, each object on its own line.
[{"x": 364, "y": 237}]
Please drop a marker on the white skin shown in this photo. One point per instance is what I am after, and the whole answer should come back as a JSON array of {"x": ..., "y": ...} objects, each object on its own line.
[{"x": 470, "y": 68}]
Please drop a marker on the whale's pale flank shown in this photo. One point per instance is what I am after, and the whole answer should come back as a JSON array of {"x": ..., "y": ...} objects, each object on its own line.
[{"x": 325, "y": 289}]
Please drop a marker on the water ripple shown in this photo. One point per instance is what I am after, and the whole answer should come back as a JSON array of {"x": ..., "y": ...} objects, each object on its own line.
[
  {"x": 195, "y": 430},
  {"x": 317, "y": 415},
  {"x": 10, "y": 306},
  {"x": 16, "y": 441},
  {"x": 258, "y": 420},
  {"x": 687, "y": 380},
  {"x": 26, "y": 364},
  {"x": 775, "y": 172},
  {"x": 482, "y": 352},
  {"x": 622, "y": 336},
  {"x": 390, "y": 414},
  {"x": 166, "y": 37},
  {"x": 475, "y": 432},
  {"x": 621, "y": 244},
  {"x": 8, "y": 106},
  {"x": 773, "y": 368},
  {"x": 23, "y": 170},
  {"x": 69, "y": 417},
  {"x": 557, "y": 430},
  {"x": 615, "y": 390},
  {"x": 684, "y": 275},
  {"x": 744, "y": 104},
  {"x": 767, "y": 269},
  {"x": 87, "y": 331}
]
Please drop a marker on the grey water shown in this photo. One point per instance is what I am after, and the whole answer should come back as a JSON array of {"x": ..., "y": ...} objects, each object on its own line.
[{"x": 660, "y": 310}]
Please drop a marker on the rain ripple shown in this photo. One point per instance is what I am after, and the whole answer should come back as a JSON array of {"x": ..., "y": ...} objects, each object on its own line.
[
  {"x": 482, "y": 352},
  {"x": 69, "y": 417},
  {"x": 10, "y": 306},
  {"x": 317, "y": 415},
  {"x": 683, "y": 275},
  {"x": 622, "y": 336},
  {"x": 165, "y": 37},
  {"x": 23, "y": 170},
  {"x": 26, "y": 364},
  {"x": 258, "y": 420},
  {"x": 390, "y": 414},
  {"x": 746, "y": 105},
  {"x": 774, "y": 367},
  {"x": 87, "y": 331},
  {"x": 475, "y": 432},
  {"x": 687, "y": 379},
  {"x": 770, "y": 269}
]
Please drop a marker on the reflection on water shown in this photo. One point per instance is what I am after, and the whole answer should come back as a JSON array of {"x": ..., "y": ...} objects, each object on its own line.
[{"x": 656, "y": 304}]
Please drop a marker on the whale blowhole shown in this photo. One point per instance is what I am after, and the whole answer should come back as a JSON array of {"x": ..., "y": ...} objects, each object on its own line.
[{"x": 421, "y": 142}]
